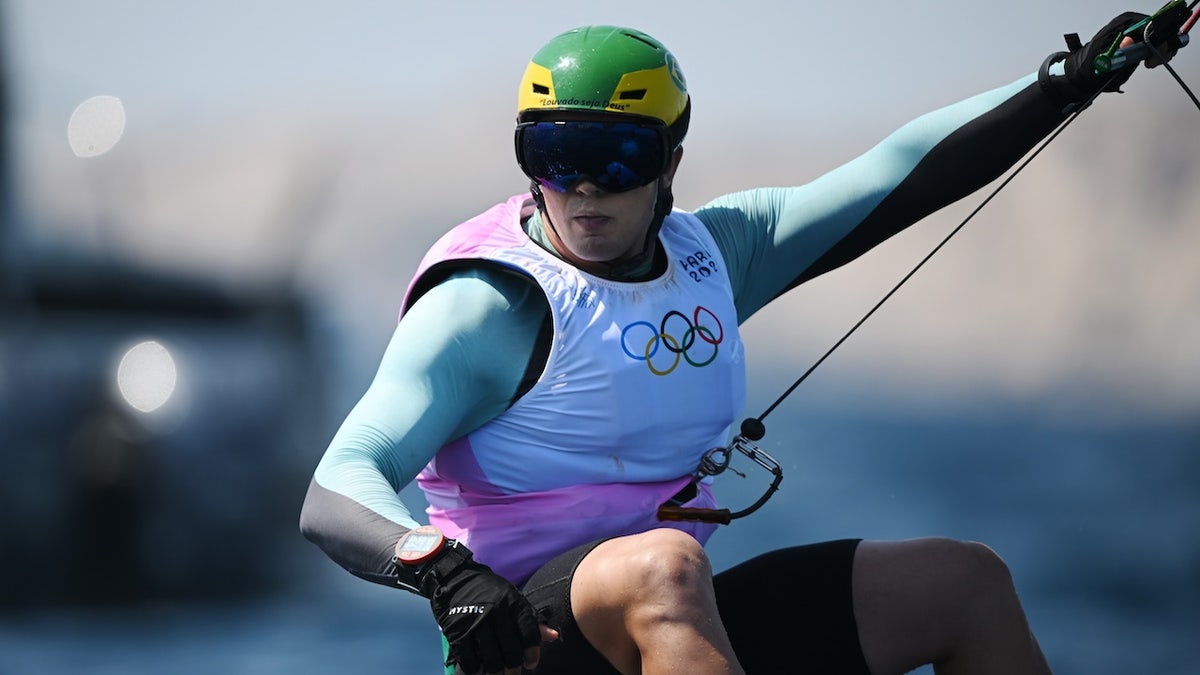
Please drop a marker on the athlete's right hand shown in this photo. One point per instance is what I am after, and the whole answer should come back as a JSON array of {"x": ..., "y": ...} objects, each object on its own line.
[{"x": 489, "y": 624}]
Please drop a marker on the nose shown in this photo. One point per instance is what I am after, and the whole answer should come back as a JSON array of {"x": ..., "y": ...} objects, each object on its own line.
[{"x": 587, "y": 188}]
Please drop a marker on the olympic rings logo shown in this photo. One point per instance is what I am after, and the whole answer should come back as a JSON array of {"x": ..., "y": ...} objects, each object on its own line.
[{"x": 698, "y": 344}]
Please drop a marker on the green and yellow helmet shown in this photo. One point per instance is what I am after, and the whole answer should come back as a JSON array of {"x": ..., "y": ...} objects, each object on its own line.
[{"x": 607, "y": 70}]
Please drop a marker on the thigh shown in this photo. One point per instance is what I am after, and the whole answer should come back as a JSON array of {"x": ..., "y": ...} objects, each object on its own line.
[
  {"x": 549, "y": 590},
  {"x": 792, "y": 610}
]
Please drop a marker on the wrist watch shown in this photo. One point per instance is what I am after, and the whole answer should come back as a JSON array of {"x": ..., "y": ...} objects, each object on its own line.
[
  {"x": 419, "y": 546},
  {"x": 425, "y": 550}
]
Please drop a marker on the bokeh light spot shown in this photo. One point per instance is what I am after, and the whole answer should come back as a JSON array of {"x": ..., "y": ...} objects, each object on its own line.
[
  {"x": 96, "y": 126},
  {"x": 146, "y": 376}
]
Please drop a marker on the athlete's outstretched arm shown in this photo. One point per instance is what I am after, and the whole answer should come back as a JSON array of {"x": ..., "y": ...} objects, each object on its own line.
[
  {"x": 437, "y": 380},
  {"x": 776, "y": 238}
]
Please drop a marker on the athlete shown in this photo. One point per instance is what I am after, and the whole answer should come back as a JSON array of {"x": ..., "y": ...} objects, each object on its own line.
[{"x": 563, "y": 360}]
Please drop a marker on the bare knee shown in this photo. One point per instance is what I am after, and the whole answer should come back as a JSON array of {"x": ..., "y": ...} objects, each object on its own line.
[
  {"x": 659, "y": 569},
  {"x": 668, "y": 562},
  {"x": 973, "y": 573},
  {"x": 628, "y": 590},
  {"x": 921, "y": 600}
]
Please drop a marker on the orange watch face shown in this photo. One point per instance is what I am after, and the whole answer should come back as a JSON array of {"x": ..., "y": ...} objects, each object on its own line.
[{"x": 419, "y": 545}]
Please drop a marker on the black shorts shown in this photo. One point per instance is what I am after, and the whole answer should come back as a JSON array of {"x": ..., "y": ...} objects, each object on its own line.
[{"x": 787, "y": 611}]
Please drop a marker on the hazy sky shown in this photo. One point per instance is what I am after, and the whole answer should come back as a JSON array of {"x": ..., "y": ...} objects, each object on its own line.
[
  {"x": 334, "y": 141},
  {"x": 779, "y": 58}
]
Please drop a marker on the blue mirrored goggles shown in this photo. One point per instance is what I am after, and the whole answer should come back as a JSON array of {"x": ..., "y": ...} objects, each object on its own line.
[{"x": 615, "y": 156}]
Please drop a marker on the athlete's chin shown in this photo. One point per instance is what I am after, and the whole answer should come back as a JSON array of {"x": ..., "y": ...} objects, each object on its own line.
[{"x": 598, "y": 250}]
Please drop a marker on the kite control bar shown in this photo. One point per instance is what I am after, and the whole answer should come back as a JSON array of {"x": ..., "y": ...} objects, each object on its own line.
[{"x": 1165, "y": 29}]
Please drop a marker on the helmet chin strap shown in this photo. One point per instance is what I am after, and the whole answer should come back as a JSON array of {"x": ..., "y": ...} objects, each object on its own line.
[{"x": 663, "y": 203}]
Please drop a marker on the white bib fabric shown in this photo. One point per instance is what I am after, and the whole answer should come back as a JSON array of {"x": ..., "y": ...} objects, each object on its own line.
[{"x": 642, "y": 378}]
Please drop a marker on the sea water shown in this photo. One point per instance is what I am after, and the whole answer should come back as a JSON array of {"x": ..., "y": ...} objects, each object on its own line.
[{"x": 1099, "y": 523}]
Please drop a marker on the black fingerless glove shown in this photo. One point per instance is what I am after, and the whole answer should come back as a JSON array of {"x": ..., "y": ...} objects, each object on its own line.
[
  {"x": 1079, "y": 82},
  {"x": 487, "y": 622}
]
